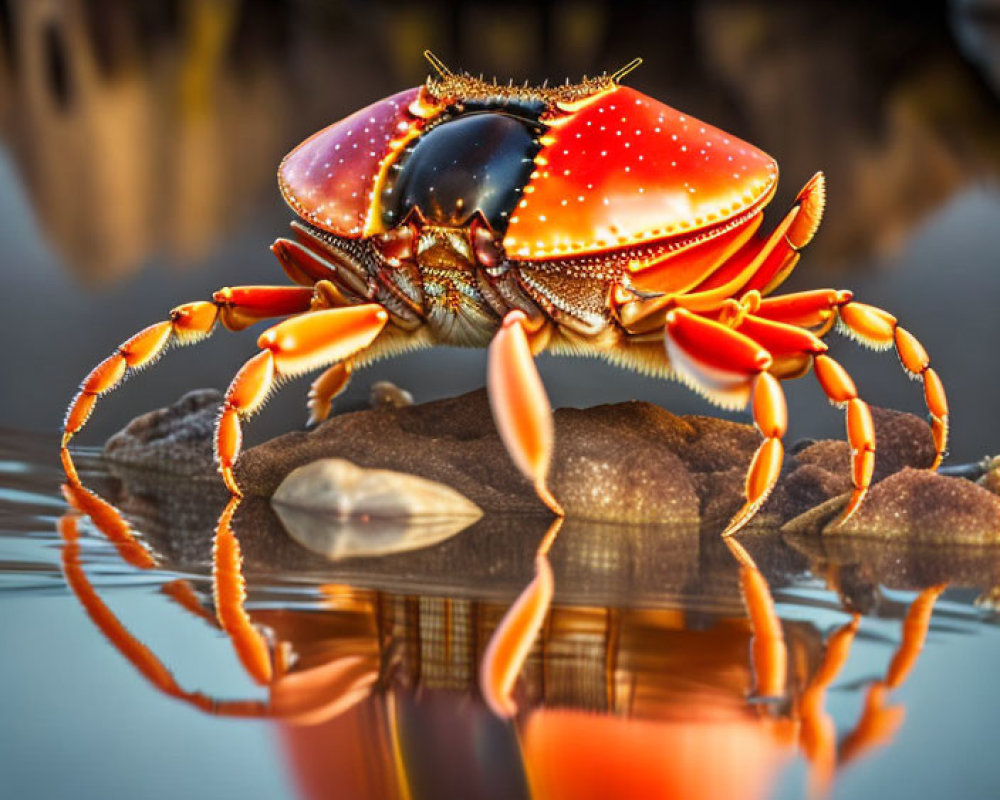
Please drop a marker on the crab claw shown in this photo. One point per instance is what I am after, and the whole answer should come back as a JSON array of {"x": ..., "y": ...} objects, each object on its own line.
[{"x": 520, "y": 406}]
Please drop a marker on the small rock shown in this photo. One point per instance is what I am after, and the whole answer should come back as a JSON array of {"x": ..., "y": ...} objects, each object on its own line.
[
  {"x": 177, "y": 440},
  {"x": 990, "y": 479},
  {"x": 923, "y": 507},
  {"x": 386, "y": 393},
  {"x": 340, "y": 510}
]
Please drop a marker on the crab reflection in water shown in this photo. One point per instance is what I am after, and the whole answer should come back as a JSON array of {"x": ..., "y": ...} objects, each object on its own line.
[{"x": 586, "y": 695}]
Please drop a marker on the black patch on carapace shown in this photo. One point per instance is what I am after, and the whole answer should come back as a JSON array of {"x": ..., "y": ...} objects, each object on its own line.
[{"x": 479, "y": 161}]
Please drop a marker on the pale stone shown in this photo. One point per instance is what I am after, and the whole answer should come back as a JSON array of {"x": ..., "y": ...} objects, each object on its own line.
[{"x": 341, "y": 510}]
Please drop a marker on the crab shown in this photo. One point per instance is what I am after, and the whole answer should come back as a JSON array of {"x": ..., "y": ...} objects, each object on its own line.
[{"x": 582, "y": 219}]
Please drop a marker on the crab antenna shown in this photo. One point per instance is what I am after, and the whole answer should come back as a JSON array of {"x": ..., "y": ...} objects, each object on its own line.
[
  {"x": 617, "y": 75},
  {"x": 439, "y": 66}
]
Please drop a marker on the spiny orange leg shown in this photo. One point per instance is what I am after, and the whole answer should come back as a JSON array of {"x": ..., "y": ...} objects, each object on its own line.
[
  {"x": 879, "y": 721},
  {"x": 290, "y": 348},
  {"x": 520, "y": 406},
  {"x": 874, "y": 328},
  {"x": 840, "y": 389},
  {"x": 730, "y": 368},
  {"x": 236, "y": 307},
  {"x": 879, "y": 329}
]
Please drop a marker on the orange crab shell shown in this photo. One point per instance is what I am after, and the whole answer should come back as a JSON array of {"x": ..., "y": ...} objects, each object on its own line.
[
  {"x": 624, "y": 170},
  {"x": 617, "y": 169}
]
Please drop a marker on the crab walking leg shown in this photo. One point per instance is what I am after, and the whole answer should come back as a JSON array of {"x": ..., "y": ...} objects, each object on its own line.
[
  {"x": 874, "y": 328},
  {"x": 520, "y": 406},
  {"x": 770, "y": 415},
  {"x": 290, "y": 348},
  {"x": 730, "y": 368},
  {"x": 236, "y": 307},
  {"x": 326, "y": 387},
  {"x": 879, "y": 329},
  {"x": 840, "y": 389}
]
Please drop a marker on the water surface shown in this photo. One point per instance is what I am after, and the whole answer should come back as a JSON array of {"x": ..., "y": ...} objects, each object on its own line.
[{"x": 642, "y": 674}]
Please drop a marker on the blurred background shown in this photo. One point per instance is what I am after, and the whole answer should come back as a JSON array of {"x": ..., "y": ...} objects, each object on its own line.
[{"x": 139, "y": 143}]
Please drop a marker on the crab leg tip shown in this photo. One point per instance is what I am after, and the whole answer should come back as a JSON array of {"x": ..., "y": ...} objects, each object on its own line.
[
  {"x": 69, "y": 467},
  {"x": 230, "y": 480},
  {"x": 857, "y": 498},
  {"x": 547, "y": 497}
]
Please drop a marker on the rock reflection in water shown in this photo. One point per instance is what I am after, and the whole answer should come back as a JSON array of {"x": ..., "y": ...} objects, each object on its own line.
[{"x": 635, "y": 642}]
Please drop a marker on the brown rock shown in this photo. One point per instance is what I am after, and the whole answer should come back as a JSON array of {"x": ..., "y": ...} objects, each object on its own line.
[
  {"x": 927, "y": 508},
  {"x": 629, "y": 462},
  {"x": 902, "y": 440},
  {"x": 821, "y": 470},
  {"x": 176, "y": 440},
  {"x": 607, "y": 464}
]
